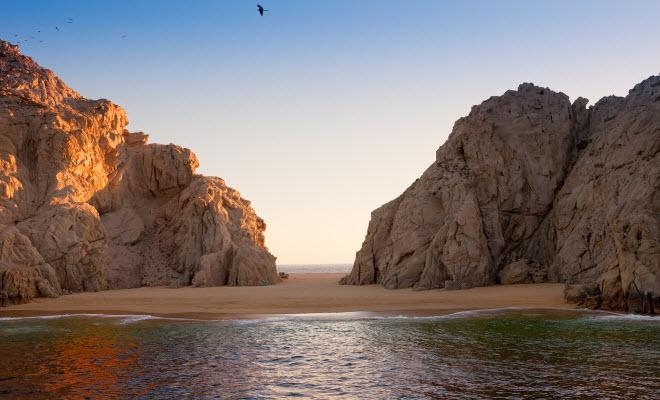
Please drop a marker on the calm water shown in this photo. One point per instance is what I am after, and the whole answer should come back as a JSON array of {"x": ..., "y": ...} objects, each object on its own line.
[{"x": 497, "y": 354}]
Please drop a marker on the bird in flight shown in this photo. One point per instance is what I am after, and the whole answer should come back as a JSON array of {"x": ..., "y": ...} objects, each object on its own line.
[
  {"x": 57, "y": 29},
  {"x": 261, "y": 9}
]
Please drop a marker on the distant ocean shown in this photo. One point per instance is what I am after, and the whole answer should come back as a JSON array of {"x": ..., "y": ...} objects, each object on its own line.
[{"x": 315, "y": 268}]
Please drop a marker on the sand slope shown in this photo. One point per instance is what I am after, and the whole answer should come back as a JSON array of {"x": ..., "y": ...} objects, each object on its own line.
[{"x": 301, "y": 293}]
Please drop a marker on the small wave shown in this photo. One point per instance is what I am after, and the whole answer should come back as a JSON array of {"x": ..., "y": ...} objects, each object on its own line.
[
  {"x": 476, "y": 313},
  {"x": 609, "y": 316},
  {"x": 456, "y": 314},
  {"x": 255, "y": 320},
  {"x": 124, "y": 318},
  {"x": 348, "y": 316},
  {"x": 136, "y": 318},
  {"x": 56, "y": 316},
  {"x": 371, "y": 315}
]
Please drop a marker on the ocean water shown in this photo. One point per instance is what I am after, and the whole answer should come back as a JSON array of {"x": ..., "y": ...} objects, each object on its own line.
[
  {"x": 504, "y": 354},
  {"x": 315, "y": 268}
]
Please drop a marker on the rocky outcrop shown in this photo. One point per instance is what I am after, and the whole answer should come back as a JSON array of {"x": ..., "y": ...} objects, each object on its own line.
[
  {"x": 86, "y": 205},
  {"x": 531, "y": 188}
]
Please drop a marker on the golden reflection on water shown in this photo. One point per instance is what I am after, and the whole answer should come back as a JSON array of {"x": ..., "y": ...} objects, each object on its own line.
[{"x": 80, "y": 360}]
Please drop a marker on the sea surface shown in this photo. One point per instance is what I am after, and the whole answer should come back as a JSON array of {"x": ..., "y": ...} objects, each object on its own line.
[
  {"x": 315, "y": 268},
  {"x": 504, "y": 354}
]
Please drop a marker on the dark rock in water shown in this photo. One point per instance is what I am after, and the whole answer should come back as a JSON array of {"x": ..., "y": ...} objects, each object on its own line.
[
  {"x": 585, "y": 295},
  {"x": 531, "y": 188}
]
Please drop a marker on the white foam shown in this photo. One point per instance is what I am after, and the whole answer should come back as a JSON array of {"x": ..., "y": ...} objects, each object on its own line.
[
  {"x": 368, "y": 315},
  {"x": 124, "y": 318},
  {"x": 346, "y": 316},
  {"x": 608, "y": 316}
]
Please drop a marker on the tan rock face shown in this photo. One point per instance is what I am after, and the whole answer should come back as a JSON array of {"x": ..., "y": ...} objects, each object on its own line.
[
  {"x": 528, "y": 188},
  {"x": 86, "y": 205},
  {"x": 605, "y": 225}
]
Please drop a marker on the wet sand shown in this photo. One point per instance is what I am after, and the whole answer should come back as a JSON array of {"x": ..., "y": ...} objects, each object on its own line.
[{"x": 300, "y": 294}]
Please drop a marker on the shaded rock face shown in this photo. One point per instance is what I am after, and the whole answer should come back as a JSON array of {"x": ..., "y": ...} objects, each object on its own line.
[
  {"x": 531, "y": 188},
  {"x": 86, "y": 205}
]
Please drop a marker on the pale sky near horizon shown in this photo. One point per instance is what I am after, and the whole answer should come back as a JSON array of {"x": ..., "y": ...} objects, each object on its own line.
[{"x": 321, "y": 111}]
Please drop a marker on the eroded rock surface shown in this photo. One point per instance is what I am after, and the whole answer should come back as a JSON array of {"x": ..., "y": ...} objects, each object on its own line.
[
  {"x": 86, "y": 205},
  {"x": 531, "y": 188}
]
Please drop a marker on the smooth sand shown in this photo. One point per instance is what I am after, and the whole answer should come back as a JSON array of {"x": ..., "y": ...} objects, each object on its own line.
[{"x": 301, "y": 293}]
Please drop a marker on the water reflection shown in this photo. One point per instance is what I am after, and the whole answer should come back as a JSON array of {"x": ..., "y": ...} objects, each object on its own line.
[
  {"x": 97, "y": 357},
  {"x": 505, "y": 355}
]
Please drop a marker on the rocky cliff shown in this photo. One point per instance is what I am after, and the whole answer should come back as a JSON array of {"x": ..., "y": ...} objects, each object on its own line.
[
  {"x": 86, "y": 205},
  {"x": 531, "y": 188}
]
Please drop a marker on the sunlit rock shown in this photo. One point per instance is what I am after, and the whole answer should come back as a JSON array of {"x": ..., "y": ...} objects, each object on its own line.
[{"x": 86, "y": 205}]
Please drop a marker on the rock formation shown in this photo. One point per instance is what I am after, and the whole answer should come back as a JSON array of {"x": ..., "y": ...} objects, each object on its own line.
[
  {"x": 531, "y": 188},
  {"x": 86, "y": 205}
]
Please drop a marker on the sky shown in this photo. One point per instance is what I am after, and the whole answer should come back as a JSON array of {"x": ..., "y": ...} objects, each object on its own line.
[{"x": 321, "y": 111}]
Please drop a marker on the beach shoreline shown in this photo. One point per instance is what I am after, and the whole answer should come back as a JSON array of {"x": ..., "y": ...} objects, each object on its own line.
[{"x": 302, "y": 294}]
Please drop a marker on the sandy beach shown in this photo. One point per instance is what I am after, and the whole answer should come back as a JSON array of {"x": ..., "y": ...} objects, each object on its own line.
[{"x": 301, "y": 293}]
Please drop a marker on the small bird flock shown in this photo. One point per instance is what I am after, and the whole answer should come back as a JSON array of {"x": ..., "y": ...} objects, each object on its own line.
[
  {"x": 57, "y": 28},
  {"x": 26, "y": 39}
]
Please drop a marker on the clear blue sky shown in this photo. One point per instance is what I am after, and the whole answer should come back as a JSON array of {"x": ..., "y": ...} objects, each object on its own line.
[{"x": 321, "y": 111}]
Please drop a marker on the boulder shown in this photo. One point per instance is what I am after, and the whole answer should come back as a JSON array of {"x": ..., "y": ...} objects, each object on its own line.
[{"x": 522, "y": 271}]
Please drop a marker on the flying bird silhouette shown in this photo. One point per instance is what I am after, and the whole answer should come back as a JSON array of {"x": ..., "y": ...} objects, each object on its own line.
[
  {"x": 261, "y": 9},
  {"x": 57, "y": 29}
]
